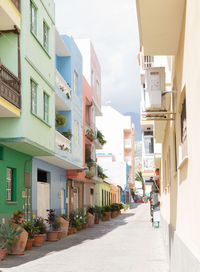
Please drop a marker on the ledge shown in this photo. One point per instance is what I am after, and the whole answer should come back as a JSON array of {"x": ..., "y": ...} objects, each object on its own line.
[
  {"x": 11, "y": 202},
  {"x": 183, "y": 162},
  {"x": 41, "y": 119},
  {"x": 36, "y": 38}
]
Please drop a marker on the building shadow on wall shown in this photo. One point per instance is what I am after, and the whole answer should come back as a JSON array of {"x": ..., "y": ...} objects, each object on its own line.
[{"x": 96, "y": 232}]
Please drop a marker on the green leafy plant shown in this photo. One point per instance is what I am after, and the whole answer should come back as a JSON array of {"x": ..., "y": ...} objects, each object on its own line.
[
  {"x": 68, "y": 134},
  {"x": 64, "y": 216},
  {"x": 17, "y": 217},
  {"x": 100, "y": 137},
  {"x": 9, "y": 234},
  {"x": 91, "y": 209},
  {"x": 100, "y": 172},
  {"x": 30, "y": 228},
  {"x": 91, "y": 134},
  {"x": 139, "y": 177},
  {"x": 89, "y": 174},
  {"x": 40, "y": 223},
  {"x": 97, "y": 212},
  {"x": 107, "y": 208},
  {"x": 52, "y": 219},
  {"x": 60, "y": 120},
  {"x": 103, "y": 212}
]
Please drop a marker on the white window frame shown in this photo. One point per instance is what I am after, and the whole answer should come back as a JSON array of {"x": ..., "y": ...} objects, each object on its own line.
[
  {"x": 33, "y": 97},
  {"x": 33, "y": 18}
]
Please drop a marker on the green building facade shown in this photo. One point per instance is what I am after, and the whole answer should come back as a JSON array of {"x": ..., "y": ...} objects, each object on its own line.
[{"x": 27, "y": 123}]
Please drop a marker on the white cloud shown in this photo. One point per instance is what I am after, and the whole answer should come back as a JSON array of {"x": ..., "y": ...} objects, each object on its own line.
[{"x": 112, "y": 27}]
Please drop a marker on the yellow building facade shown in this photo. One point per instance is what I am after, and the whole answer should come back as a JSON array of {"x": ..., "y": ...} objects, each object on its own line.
[{"x": 171, "y": 29}]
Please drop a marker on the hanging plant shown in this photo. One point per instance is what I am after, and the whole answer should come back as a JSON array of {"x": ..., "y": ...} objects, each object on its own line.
[{"x": 60, "y": 120}]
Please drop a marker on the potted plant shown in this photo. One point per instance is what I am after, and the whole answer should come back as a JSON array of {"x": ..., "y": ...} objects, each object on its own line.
[
  {"x": 60, "y": 120},
  {"x": 9, "y": 237},
  {"x": 103, "y": 214},
  {"x": 89, "y": 174},
  {"x": 97, "y": 214},
  {"x": 64, "y": 224},
  {"x": 31, "y": 229},
  {"x": 72, "y": 223},
  {"x": 90, "y": 216},
  {"x": 90, "y": 134},
  {"x": 54, "y": 224},
  {"x": 100, "y": 138},
  {"x": 107, "y": 211},
  {"x": 17, "y": 220},
  {"x": 39, "y": 236},
  {"x": 17, "y": 217},
  {"x": 68, "y": 134}
]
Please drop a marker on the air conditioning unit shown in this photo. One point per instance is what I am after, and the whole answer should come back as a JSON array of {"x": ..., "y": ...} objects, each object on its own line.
[{"x": 155, "y": 86}]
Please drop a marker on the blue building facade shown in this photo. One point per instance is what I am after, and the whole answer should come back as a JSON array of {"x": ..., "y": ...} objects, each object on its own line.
[{"x": 49, "y": 174}]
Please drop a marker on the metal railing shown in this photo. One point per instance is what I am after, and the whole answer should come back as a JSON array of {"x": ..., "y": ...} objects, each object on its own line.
[
  {"x": 148, "y": 62},
  {"x": 17, "y": 4},
  {"x": 9, "y": 86}
]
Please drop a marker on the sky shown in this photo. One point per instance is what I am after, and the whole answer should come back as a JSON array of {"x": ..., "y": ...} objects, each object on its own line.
[{"x": 112, "y": 27}]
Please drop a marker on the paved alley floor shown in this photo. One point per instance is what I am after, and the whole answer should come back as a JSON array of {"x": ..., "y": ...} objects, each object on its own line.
[{"x": 126, "y": 243}]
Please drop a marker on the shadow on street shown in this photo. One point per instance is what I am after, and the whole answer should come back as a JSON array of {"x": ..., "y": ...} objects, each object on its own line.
[{"x": 70, "y": 241}]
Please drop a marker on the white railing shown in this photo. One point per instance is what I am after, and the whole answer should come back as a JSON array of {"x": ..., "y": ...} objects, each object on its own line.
[
  {"x": 147, "y": 62},
  {"x": 62, "y": 84},
  {"x": 62, "y": 142}
]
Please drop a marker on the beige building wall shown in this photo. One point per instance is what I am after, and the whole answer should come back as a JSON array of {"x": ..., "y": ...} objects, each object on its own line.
[{"x": 180, "y": 184}]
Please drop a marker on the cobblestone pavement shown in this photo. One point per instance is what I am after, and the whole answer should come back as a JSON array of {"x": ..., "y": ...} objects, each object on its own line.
[{"x": 125, "y": 243}]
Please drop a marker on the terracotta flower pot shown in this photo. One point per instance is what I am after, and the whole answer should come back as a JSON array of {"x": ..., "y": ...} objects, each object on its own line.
[
  {"x": 52, "y": 235},
  {"x": 90, "y": 218},
  {"x": 74, "y": 230},
  {"x": 19, "y": 247},
  {"x": 70, "y": 231},
  {"x": 38, "y": 240},
  {"x": 29, "y": 244},
  {"x": 114, "y": 214},
  {"x": 108, "y": 214},
  {"x": 96, "y": 221},
  {"x": 84, "y": 226},
  {"x": 103, "y": 218},
  {"x": 3, "y": 252},
  {"x": 64, "y": 226},
  {"x": 79, "y": 228},
  {"x": 59, "y": 234}
]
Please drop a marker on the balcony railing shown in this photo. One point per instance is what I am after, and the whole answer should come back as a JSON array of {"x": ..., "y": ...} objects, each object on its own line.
[
  {"x": 62, "y": 84},
  {"x": 62, "y": 142},
  {"x": 148, "y": 62},
  {"x": 9, "y": 86},
  {"x": 17, "y": 4}
]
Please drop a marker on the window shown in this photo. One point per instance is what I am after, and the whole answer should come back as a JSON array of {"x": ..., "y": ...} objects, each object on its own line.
[
  {"x": 98, "y": 87},
  {"x": 75, "y": 82},
  {"x": 46, "y": 108},
  {"x": 148, "y": 145},
  {"x": 76, "y": 131},
  {"x": 33, "y": 19},
  {"x": 92, "y": 191},
  {"x": 10, "y": 186},
  {"x": 184, "y": 129},
  {"x": 45, "y": 36},
  {"x": 33, "y": 97},
  {"x": 92, "y": 78},
  {"x": 42, "y": 176}
]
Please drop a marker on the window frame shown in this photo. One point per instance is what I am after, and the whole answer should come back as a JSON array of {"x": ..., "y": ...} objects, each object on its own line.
[
  {"x": 44, "y": 107},
  {"x": 46, "y": 47},
  {"x": 75, "y": 82},
  {"x": 13, "y": 185},
  {"x": 76, "y": 132},
  {"x": 33, "y": 6},
  {"x": 36, "y": 87}
]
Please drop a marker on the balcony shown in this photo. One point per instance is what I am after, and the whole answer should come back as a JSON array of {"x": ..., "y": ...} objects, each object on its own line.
[
  {"x": 10, "y": 91},
  {"x": 63, "y": 93},
  {"x": 160, "y": 23},
  {"x": 147, "y": 62},
  {"x": 62, "y": 142},
  {"x": 10, "y": 14}
]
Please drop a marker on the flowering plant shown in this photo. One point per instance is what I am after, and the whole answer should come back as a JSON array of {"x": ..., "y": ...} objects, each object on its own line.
[{"x": 17, "y": 217}]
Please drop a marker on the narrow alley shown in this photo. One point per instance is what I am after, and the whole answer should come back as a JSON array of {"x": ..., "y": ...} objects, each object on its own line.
[{"x": 126, "y": 243}]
